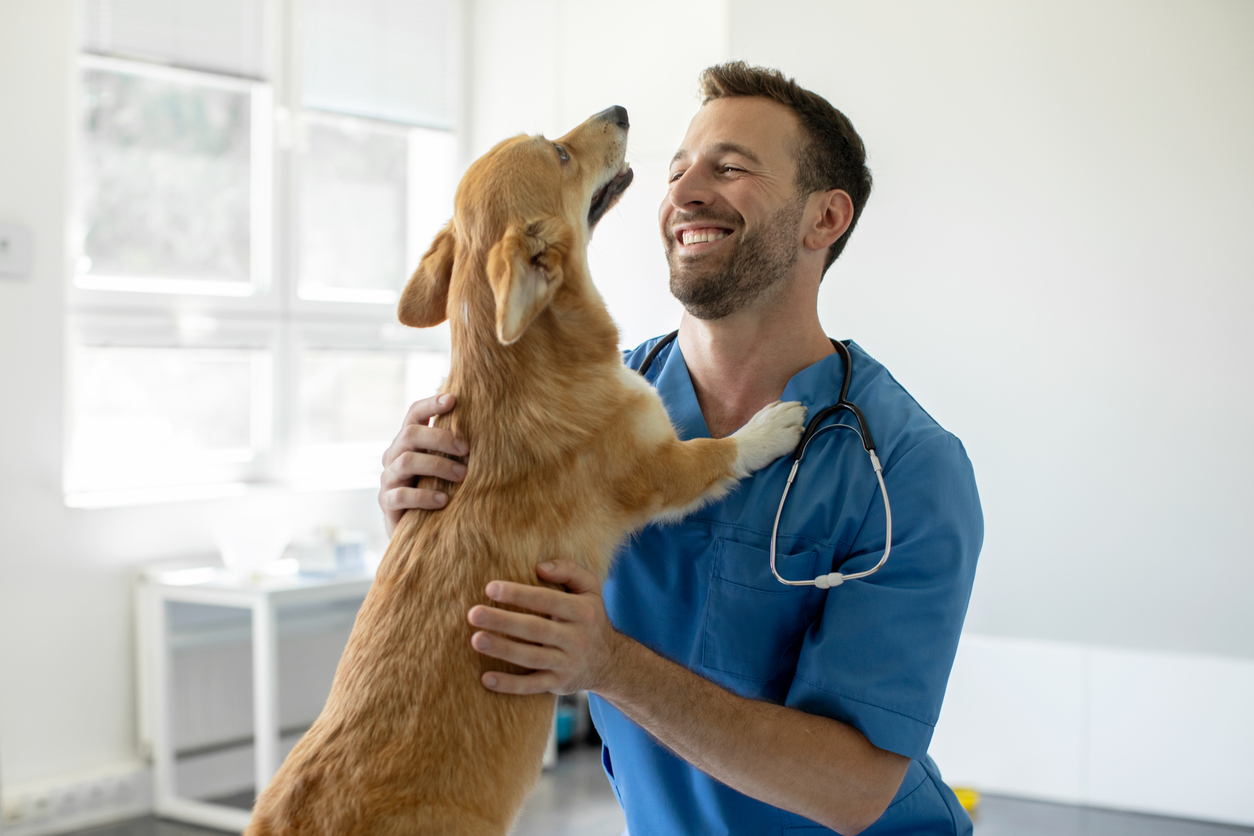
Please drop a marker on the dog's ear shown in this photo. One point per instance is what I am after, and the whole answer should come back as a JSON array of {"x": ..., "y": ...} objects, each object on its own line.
[
  {"x": 424, "y": 302},
  {"x": 525, "y": 269}
]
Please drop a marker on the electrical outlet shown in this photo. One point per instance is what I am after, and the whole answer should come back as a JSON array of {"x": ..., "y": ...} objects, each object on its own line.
[
  {"x": 87, "y": 800},
  {"x": 16, "y": 251},
  {"x": 26, "y": 808},
  {"x": 123, "y": 790},
  {"x": 39, "y": 806},
  {"x": 95, "y": 794},
  {"x": 68, "y": 800},
  {"x": 12, "y": 812}
]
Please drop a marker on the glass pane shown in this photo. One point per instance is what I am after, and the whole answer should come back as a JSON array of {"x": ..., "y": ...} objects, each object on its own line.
[
  {"x": 352, "y": 213},
  {"x": 350, "y": 396},
  {"x": 425, "y": 372},
  {"x": 156, "y": 407},
  {"x": 431, "y": 186},
  {"x": 164, "y": 187},
  {"x": 351, "y": 405}
]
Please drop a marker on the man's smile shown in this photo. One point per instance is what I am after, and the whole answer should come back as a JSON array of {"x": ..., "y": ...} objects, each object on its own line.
[{"x": 697, "y": 237}]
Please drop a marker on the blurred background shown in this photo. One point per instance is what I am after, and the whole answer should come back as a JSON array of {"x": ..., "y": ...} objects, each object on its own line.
[{"x": 208, "y": 207}]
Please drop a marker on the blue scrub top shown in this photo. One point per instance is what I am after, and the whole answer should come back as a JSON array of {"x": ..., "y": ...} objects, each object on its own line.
[{"x": 872, "y": 653}]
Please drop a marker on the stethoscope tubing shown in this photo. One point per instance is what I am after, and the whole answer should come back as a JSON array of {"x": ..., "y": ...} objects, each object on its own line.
[
  {"x": 812, "y": 430},
  {"x": 834, "y": 578}
]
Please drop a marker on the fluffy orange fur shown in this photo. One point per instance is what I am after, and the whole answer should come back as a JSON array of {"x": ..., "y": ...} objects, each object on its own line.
[{"x": 569, "y": 452}]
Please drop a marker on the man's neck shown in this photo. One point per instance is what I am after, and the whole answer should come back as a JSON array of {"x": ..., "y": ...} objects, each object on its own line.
[{"x": 741, "y": 363}]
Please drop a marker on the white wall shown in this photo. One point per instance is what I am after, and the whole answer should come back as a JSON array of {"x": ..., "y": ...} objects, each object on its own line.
[
  {"x": 66, "y": 660},
  {"x": 1056, "y": 262},
  {"x": 1152, "y": 731},
  {"x": 544, "y": 66}
]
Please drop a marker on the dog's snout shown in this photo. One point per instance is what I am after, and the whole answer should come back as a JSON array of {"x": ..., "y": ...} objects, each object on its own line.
[{"x": 616, "y": 114}]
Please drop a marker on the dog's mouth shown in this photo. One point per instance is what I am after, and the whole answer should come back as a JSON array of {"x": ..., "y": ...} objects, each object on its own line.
[{"x": 608, "y": 195}]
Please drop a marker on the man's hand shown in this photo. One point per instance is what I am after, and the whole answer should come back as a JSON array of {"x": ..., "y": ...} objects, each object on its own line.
[
  {"x": 570, "y": 645},
  {"x": 411, "y": 456},
  {"x": 815, "y": 766}
]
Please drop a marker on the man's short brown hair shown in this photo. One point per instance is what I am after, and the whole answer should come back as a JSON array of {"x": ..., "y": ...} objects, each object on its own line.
[{"x": 831, "y": 155}]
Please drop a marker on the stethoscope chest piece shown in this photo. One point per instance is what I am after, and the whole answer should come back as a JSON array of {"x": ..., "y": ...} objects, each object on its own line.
[{"x": 814, "y": 429}]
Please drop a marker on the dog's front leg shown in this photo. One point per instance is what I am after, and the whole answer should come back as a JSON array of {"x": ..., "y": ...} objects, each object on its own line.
[{"x": 685, "y": 475}]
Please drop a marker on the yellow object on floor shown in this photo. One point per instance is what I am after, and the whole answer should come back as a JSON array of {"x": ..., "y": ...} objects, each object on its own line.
[{"x": 968, "y": 798}]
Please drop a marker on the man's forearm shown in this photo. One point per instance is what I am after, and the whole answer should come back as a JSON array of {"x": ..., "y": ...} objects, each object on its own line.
[{"x": 814, "y": 766}]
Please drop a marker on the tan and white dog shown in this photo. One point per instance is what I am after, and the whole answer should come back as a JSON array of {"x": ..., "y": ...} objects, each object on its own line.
[{"x": 570, "y": 451}]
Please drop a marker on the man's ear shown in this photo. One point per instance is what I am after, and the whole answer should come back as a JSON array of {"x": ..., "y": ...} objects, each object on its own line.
[
  {"x": 835, "y": 214},
  {"x": 424, "y": 302},
  {"x": 525, "y": 269}
]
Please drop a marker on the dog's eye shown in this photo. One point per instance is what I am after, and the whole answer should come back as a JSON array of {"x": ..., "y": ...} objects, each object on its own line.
[{"x": 561, "y": 152}]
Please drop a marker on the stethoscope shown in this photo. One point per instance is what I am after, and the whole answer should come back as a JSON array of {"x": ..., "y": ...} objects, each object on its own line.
[{"x": 811, "y": 432}]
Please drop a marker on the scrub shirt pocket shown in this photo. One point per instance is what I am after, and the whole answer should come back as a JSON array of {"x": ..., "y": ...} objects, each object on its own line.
[{"x": 751, "y": 619}]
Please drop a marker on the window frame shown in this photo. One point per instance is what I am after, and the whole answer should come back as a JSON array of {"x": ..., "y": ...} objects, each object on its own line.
[
  {"x": 128, "y": 291},
  {"x": 172, "y": 330},
  {"x": 272, "y": 318}
]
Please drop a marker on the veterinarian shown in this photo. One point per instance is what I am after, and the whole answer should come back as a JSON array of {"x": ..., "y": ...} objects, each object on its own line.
[{"x": 727, "y": 701}]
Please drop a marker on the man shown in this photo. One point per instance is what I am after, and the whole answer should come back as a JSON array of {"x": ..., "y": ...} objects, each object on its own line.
[{"x": 729, "y": 702}]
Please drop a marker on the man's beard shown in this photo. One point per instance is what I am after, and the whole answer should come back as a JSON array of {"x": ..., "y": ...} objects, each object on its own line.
[{"x": 746, "y": 271}]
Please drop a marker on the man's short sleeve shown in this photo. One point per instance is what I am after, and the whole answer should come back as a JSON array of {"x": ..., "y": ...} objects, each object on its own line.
[{"x": 879, "y": 654}]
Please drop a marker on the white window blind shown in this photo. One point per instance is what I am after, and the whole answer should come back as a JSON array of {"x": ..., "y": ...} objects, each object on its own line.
[
  {"x": 383, "y": 59},
  {"x": 226, "y": 36}
]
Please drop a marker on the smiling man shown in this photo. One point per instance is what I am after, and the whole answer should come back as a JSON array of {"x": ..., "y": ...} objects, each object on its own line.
[{"x": 730, "y": 702}]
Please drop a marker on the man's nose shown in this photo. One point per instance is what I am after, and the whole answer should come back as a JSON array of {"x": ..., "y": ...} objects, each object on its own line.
[
  {"x": 691, "y": 189},
  {"x": 616, "y": 114}
]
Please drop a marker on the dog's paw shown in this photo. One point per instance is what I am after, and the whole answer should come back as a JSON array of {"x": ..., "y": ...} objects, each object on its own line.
[{"x": 774, "y": 431}]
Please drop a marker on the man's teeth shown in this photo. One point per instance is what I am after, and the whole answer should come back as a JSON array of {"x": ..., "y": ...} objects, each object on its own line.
[{"x": 700, "y": 236}]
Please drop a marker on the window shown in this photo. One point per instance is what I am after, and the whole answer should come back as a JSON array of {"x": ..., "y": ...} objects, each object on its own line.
[
  {"x": 255, "y": 180},
  {"x": 365, "y": 212},
  {"x": 348, "y": 400},
  {"x": 173, "y": 181},
  {"x": 146, "y": 413}
]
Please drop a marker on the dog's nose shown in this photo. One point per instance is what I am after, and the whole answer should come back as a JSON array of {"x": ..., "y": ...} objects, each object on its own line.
[{"x": 616, "y": 114}]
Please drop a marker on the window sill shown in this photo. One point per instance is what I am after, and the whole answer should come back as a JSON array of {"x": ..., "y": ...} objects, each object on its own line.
[{"x": 136, "y": 497}]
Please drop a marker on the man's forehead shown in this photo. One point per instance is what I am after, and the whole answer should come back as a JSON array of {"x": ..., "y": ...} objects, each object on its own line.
[{"x": 757, "y": 128}]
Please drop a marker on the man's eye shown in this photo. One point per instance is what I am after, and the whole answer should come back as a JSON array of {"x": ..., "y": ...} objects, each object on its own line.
[
  {"x": 730, "y": 168},
  {"x": 675, "y": 175},
  {"x": 561, "y": 152}
]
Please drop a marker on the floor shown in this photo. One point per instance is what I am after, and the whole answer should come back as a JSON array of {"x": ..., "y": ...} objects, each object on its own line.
[
  {"x": 575, "y": 800},
  {"x": 572, "y": 799},
  {"x": 1015, "y": 817}
]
